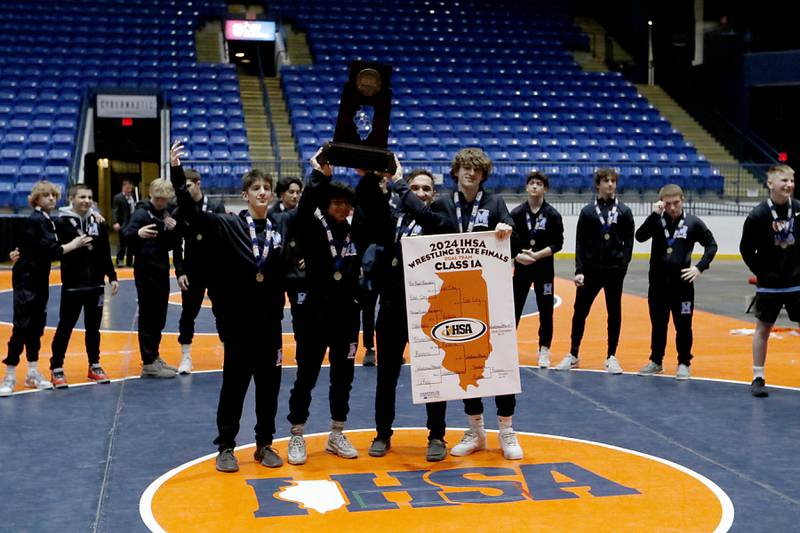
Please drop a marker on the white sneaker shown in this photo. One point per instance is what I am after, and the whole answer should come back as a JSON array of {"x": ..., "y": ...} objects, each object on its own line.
[
  {"x": 510, "y": 445},
  {"x": 568, "y": 363},
  {"x": 683, "y": 373},
  {"x": 472, "y": 441},
  {"x": 186, "y": 364},
  {"x": 613, "y": 366},
  {"x": 297, "y": 450},
  {"x": 544, "y": 357},
  {"x": 339, "y": 445},
  {"x": 35, "y": 380},
  {"x": 7, "y": 386}
]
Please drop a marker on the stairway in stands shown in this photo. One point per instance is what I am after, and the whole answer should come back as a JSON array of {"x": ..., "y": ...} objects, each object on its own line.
[
  {"x": 738, "y": 183},
  {"x": 255, "y": 118}
]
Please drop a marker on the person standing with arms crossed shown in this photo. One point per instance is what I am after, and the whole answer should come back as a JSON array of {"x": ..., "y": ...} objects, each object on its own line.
[
  {"x": 770, "y": 250},
  {"x": 603, "y": 250},
  {"x": 672, "y": 276}
]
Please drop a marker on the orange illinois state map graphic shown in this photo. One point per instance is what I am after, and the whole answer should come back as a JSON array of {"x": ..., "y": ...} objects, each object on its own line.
[{"x": 457, "y": 321}]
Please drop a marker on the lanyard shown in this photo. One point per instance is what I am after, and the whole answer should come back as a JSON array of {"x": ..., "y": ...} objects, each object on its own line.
[
  {"x": 205, "y": 203},
  {"x": 50, "y": 220},
  {"x": 671, "y": 238},
  {"x": 337, "y": 257},
  {"x": 611, "y": 214},
  {"x": 472, "y": 217},
  {"x": 781, "y": 227},
  {"x": 91, "y": 224},
  {"x": 533, "y": 227},
  {"x": 260, "y": 257},
  {"x": 411, "y": 229}
]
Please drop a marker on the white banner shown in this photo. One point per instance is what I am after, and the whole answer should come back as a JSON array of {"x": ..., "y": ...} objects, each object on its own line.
[
  {"x": 460, "y": 306},
  {"x": 127, "y": 106}
]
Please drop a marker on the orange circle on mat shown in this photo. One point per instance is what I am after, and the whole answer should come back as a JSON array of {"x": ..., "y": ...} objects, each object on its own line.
[{"x": 561, "y": 484}]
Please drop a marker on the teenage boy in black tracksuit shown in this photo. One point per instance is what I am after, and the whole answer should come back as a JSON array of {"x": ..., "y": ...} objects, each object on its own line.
[
  {"x": 603, "y": 250},
  {"x": 413, "y": 217},
  {"x": 30, "y": 280},
  {"x": 191, "y": 267},
  {"x": 152, "y": 234},
  {"x": 83, "y": 274},
  {"x": 288, "y": 191},
  {"x": 674, "y": 233},
  {"x": 248, "y": 293},
  {"x": 541, "y": 235},
  {"x": 769, "y": 247},
  {"x": 472, "y": 208},
  {"x": 333, "y": 248}
]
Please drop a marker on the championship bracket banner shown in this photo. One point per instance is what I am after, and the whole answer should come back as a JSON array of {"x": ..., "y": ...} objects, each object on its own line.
[{"x": 460, "y": 306}]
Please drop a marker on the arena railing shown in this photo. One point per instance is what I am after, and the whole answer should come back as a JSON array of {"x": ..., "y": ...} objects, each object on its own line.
[{"x": 715, "y": 188}]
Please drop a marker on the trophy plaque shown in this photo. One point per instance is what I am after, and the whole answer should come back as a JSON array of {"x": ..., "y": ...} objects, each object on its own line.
[{"x": 361, "y": 137}]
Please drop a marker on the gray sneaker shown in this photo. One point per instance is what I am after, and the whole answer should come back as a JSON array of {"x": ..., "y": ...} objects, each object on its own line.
[
  {"x": 339, "y": 445},
  {"x": 226, "y": 461},
  {"x": 612, "y": 365},
  {"x": 651, "y": 369},
  {"x": 166, "y": 365},
  {"x": 437, "y": 450},
  {"x": 297, "y": 450},
  {"x": 380, "y": 446},
  {"x": 683, "y": 373},
  {"x": 268, "y": 457},
  {"x": 156, "y": 371}
]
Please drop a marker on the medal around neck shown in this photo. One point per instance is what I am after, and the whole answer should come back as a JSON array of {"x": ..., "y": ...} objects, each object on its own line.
[{"x": 361, "y": 137}]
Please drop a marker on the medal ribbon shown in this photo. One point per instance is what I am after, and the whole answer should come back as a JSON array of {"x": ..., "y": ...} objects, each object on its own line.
[
  {"x": 337, "y": 257},
  {"x": 260, "y": 255},
  {"x": 531, "y": 223},
  {"x": 785, "y": 227},
  {"x": 603, "y": 221},
  {"x": 411, "y": 229},
  {"x": 474, "y": 214},
  {"x": 671, "y": 238}
]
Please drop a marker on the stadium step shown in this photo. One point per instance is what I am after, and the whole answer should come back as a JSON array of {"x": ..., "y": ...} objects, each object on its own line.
[
  {"x": 738, "y": 181},
  {"x": 297, "y": 46},
  {"x": 280, "y": 119},
  {"x": 208, "y": 43},
  {"x": 255, "y": 118},
  {"x": 596, "y": 59}
]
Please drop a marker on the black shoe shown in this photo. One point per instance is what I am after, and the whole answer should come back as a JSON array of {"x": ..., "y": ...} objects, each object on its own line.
[
  {"x": 758, "y": 388},
  {"x": 268, "y": 457},
  {"x": 380, "y": 446},
  {"x": 369, "y": 357},
  {"x": 437, "y": 450}
]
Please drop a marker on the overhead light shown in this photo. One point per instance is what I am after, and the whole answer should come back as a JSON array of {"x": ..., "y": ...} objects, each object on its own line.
[{"x": 239, "y": 54}]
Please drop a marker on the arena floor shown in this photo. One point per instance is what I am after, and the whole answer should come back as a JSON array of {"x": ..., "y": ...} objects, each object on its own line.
[{"x": 602, "y": 453}]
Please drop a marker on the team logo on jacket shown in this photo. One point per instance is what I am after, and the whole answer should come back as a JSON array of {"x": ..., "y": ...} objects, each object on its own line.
[
  {"x": 457, "y": 330},
  {"x": 561, "y": 484},
  {"x": 482, "y": 217}
]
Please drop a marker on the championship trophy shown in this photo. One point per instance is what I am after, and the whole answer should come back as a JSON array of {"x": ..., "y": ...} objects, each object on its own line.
[{"x": 362, "y": 127}]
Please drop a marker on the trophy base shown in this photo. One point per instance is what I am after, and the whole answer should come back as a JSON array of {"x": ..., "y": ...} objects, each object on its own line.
[{"x": 359, "y": 156}]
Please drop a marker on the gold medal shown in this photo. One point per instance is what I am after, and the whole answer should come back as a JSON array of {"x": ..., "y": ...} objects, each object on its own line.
[
  {"x": 259, "y": 277},
  {"x": 199, "y": 237},
  {"x": 606, "y": 236},
  {"x": 292, "y": 244},
  {"x": 669, "y": 250},
  {"x": 337, "y": 276},
  {"x": 394, "y": 262},
  {"x": 533, "y": 242}
]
